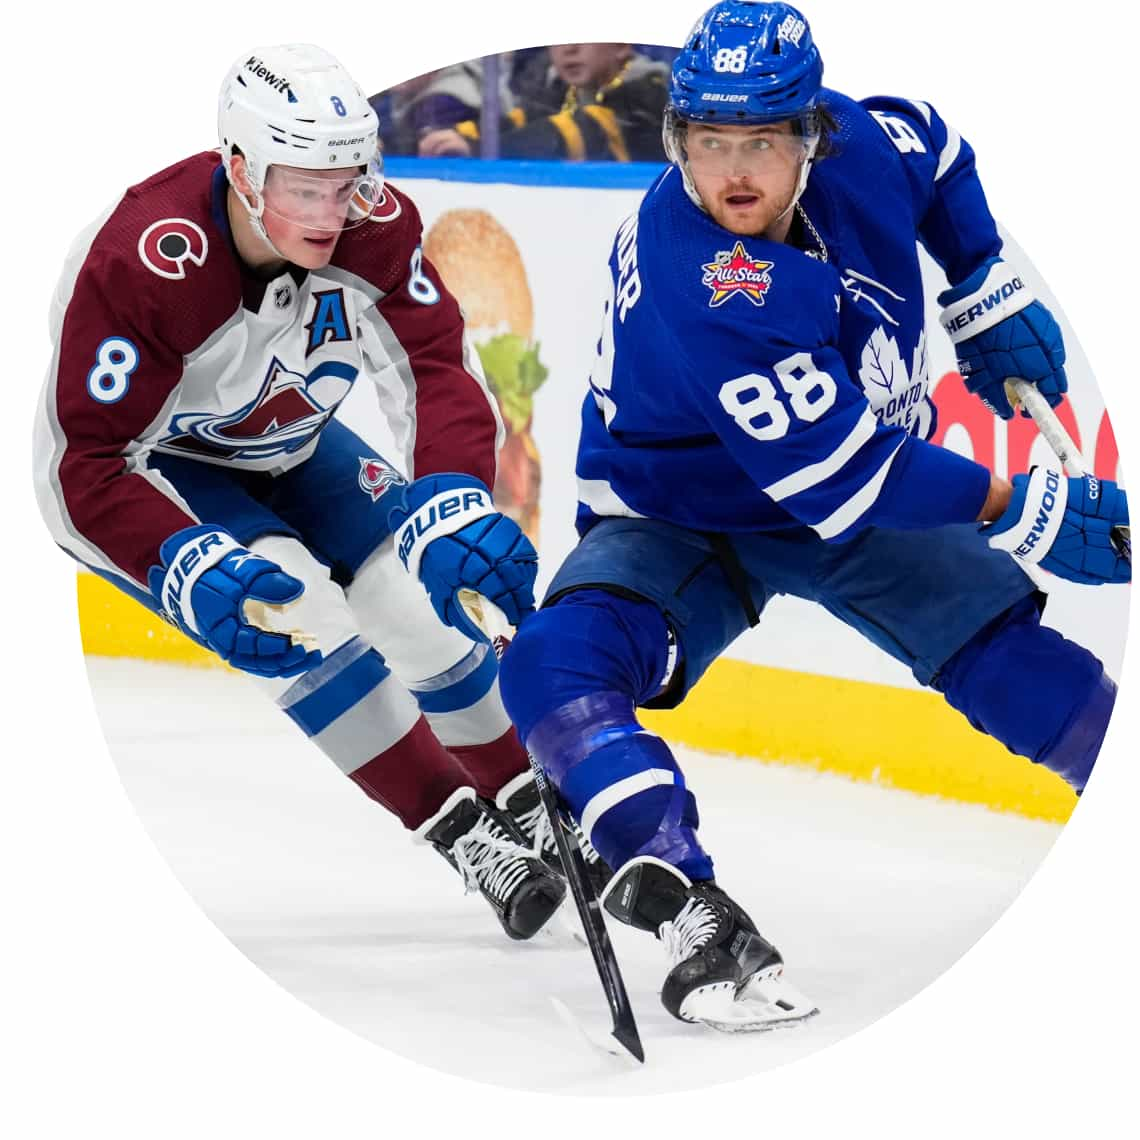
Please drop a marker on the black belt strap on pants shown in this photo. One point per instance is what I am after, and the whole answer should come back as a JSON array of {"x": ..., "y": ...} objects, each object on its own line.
[{"x": 734, "y": 572}]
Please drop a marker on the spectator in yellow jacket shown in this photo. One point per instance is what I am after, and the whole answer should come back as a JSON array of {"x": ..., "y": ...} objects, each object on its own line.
[{"x": 602, "y": 102}]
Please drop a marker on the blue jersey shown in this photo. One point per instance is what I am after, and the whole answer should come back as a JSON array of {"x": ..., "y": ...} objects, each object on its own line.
[{"x": 742, "y": 384}]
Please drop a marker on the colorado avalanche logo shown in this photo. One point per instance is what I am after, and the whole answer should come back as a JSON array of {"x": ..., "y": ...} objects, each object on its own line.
[
  {"x": 166, "y": 246},
  {"x": 282, "y": 418},
  {"x": 376, "y": 212},
  {"x": 376, "y": 477},
  {"x": 732, "y": 271}
]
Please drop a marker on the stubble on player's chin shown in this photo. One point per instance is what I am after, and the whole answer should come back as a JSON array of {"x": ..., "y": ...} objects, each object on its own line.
[
  {"x": 744, "y": 227},
  {"x": 765, "y": 216},
  {"x": 780, "y": 218}
]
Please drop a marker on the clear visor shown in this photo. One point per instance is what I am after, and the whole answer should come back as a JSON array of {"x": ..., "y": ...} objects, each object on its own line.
[
  {"x": 744, "y": 151},
  {"x": 325, "y": 200}
]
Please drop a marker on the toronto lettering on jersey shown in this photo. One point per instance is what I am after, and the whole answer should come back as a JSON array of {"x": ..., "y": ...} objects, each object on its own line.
[
  {"x": 437, "y": 511},
  {"x": 890, "y": 412},
  {"x": 988, "y": 302},
  {"x": 1041, "y": 522},
  {"x": 894, "y": 391}
]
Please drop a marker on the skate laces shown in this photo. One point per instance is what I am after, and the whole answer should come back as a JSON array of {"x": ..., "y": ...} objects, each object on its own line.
[
  {"x": 689, "y": 932},
  {"x": 489, "y": 860},
  {"x": 535, "y": 825},
  {"x": 589, "y": 853}
]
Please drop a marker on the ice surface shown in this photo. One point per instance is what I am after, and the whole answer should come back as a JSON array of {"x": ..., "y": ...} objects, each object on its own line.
[{"x": 869, "y": 893}]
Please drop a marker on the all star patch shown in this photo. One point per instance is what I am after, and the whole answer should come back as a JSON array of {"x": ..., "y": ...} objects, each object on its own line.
[{"x": 734, "y": 271}]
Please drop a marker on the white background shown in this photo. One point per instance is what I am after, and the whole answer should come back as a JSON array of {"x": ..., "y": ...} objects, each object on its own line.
[{"x": 126, "y": 1013}]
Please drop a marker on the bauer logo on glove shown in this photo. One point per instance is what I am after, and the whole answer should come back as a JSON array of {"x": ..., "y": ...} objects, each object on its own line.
[
  {"x": 451, "y": 537},
  {"x": 205, "y": 582},
  {"x": 443, "y": 514},
  {"x": 180, "y": 578}
]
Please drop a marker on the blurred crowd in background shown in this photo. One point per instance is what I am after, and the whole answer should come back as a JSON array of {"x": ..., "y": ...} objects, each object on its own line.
[{"x": 576, "y": 102}]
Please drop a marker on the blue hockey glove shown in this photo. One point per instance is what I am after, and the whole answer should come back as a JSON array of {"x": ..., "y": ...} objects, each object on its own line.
[
  {"x": 1065, "y": 525},
  {"x": 1001, "y": 332},
  {"x": 202, "y": 585},
  {"x": 449, "y": 535}
]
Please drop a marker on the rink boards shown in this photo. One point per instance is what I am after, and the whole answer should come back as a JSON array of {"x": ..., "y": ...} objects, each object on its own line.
[{"x": 868, "y": 731}]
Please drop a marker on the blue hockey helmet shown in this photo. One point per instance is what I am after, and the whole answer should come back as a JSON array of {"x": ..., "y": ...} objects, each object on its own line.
[{"x": 747, "y": 62}]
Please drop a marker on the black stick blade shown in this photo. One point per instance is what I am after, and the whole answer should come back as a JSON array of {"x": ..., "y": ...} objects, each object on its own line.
[{"x": 593, "y": 923}]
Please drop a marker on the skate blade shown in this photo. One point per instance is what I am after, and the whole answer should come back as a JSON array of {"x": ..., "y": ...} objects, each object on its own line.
[
  {"x": 563, "y": 928},
  {"x": 571, "y": 922},
  {"x": 766, "y": 1001}
]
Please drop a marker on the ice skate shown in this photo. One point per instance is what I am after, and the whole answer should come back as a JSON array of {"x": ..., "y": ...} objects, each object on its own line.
[
  {"x": 723, "y": 973},
  {"x": 521, "y": 801},
  {"x": 485, "y": 846}
]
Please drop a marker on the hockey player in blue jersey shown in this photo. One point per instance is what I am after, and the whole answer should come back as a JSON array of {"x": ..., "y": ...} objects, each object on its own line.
[{"x": 756, "y": 425}]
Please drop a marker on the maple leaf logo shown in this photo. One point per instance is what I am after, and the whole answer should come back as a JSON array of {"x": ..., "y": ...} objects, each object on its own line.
[
  {"x": 894, "y": 396},
  {"x": 882, "y": 364}
]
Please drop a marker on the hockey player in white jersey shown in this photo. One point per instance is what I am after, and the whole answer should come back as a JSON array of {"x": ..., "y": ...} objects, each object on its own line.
[
  {"x": 757, "y": 425},
  {"x": 206, "y": 330}
]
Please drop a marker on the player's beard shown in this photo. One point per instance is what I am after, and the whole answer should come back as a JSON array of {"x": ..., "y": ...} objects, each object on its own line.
[
  {"x": 757, "y": 218},
  {"x": 782, "y": 217}
]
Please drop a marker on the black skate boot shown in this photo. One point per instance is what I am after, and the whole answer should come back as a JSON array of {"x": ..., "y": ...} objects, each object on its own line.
[
  {"x": 521, "y": 801},
  {"x": 485, "y": 846},
  {"x": 722, "y": 973}
]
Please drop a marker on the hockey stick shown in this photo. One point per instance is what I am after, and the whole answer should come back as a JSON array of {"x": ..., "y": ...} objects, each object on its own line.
[
  {"x": 590, "y": 912},
  {"x": 1023, "y": 393},
  {"x": 493, "y": 622}
]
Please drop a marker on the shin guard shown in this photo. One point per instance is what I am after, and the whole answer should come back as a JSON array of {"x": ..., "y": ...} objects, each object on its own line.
[{"x": 621, "y": 783}]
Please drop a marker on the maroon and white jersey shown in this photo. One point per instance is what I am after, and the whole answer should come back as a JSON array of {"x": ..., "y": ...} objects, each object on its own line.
[{"x": 165, "y": 342}]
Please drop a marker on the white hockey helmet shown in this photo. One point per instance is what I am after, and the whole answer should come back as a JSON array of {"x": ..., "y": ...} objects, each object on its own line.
[{"x": 295, "y": 105}]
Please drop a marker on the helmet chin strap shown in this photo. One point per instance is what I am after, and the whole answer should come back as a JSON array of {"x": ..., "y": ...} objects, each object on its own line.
[
  {"x": 254, "y": 212},
  {"x": 259, "y": 229},
  {"x": 801, "y": 186},
  {"x": 256, "y": 223}
]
